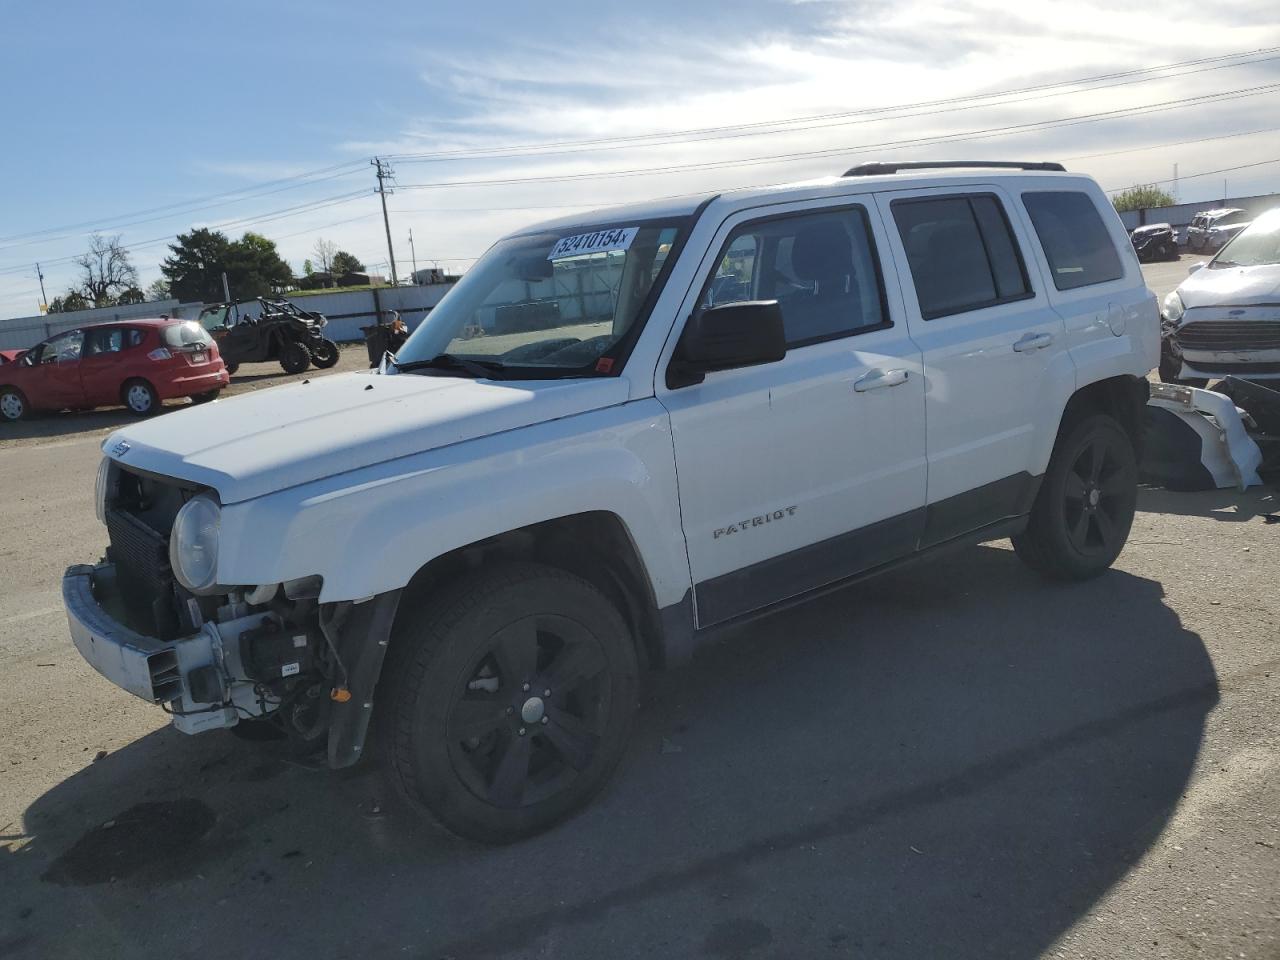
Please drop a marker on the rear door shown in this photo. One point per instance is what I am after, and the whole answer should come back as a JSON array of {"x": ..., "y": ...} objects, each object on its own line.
[
  {"x": 800, "y": 473},
  {"x": 106, "y": 350},
  {"x": 997, "y": 371},
  {"x": 1093, "y": 279}
]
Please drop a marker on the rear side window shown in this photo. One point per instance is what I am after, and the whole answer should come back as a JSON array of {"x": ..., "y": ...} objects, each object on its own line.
[
  {"x": 1075, "y": 240},
  {"x": 962, "y": 252},
  {"x": 821, "y": 267},
  {"x": 187, "y": 334}
]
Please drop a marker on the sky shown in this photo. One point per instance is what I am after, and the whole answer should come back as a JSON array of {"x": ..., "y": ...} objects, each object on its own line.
[{"x": 146, "y": 119}]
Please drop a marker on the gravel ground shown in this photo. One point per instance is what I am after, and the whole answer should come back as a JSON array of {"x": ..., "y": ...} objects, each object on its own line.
[{"x": 954, "y": 760}]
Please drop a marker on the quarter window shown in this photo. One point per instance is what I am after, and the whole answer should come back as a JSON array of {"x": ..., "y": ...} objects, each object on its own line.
[
  {"x": 962, "y": 253},
  {"x": 1076, "y": 243},
  {"x": 821, "y": 267}
]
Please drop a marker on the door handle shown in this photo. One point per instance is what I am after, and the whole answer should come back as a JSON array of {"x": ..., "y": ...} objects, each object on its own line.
[
  {"x": 1033, "y": 341},
  {"x": 879, "y": 378}
]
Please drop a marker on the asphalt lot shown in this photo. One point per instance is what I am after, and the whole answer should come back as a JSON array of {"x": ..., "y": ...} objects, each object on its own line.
[{"x": 955, "y": 760}]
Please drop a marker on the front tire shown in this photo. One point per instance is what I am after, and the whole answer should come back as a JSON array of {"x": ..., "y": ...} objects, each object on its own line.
[
  {"x": 1083, "y": 512},
  {"x": 513, "y": 695},
  {"x": 140, "y": 397},
  {"x": 13, "y": 404},
  {"x": 294, "y": 357},
  {"x": 324, "y": 354}
]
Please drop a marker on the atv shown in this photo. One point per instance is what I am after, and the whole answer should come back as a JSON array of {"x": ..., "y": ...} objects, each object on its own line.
[{"x": 280, "y": 331}]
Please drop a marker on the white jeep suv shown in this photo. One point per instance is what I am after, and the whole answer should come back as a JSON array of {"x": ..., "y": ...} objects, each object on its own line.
[{"x": 618, "y": 434}]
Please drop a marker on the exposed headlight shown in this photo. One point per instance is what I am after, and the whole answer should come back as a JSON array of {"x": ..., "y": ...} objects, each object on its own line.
[
  {"x": 1173, "y": 308},
  {"x": 193, "y": 545}
]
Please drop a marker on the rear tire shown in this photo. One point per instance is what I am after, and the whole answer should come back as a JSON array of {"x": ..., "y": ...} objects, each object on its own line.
[
  {"x": 208, "y": 397},
  {"x": 1083, "y": 512},
  {"x": 13, "y": 404},
  {"x": 324, "y": 354},
  {"x": 470, "y": 733},
  {"x": 140, "y": 398},
  {"x": 294, "y": 357}
]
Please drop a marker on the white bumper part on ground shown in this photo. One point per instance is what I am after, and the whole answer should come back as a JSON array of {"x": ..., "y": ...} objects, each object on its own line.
[{"x": 1227, "y": 451}]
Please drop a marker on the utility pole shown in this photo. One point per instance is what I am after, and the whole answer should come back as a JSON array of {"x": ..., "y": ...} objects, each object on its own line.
[
  {"x": 413, "y": 253},
  {"x": 385, "y": 173},
  {"x": 43, "y": 299}
]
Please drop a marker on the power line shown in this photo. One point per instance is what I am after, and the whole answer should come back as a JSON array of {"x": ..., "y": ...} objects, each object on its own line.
[
  {"x": 1205, "y": 173},
  {"x": 1174, "y": 143},
  {"x": 985, "y": 133},
  {"x": 242, "y": 222},
  {"x": 759, "y": 128},
  {"x": 244, "y": 193}
]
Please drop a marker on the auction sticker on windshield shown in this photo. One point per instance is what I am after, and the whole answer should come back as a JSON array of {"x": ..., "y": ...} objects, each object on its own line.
[{"x": 602, "y": 241}]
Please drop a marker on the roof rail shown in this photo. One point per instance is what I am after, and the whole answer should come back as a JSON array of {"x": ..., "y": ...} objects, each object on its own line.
[{"x": 875, "y": 169}]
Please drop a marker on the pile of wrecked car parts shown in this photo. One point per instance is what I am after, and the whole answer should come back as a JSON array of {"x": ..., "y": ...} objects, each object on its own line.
[{"x": 1211, "y": 439}]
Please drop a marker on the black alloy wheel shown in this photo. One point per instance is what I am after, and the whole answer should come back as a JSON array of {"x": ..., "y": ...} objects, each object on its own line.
[
  {"x": 1086, "y": 502},
  {"x": 511, "y": 694},
  {"x": 529, "y": 718}
]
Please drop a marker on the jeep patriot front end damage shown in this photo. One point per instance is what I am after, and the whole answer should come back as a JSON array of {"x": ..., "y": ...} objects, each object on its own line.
[{"x": 618, "y": 434}]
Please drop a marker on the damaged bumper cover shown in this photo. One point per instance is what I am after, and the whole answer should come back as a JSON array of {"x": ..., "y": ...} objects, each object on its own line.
[{"x": 200, "y": 677}]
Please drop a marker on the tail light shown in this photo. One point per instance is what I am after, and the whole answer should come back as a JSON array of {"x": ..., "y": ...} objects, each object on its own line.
[{"x": 160, "y": 353}]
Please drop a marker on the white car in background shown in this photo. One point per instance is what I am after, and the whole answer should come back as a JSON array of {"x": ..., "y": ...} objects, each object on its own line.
[{"x": 1224, "y": 319}]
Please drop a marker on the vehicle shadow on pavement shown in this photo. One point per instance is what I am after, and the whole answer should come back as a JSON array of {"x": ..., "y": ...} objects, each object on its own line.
[
  {"x": 1229, "y": 506},
  {"x": 955, "y": 760},
  {"x": 56, "y": 425}
]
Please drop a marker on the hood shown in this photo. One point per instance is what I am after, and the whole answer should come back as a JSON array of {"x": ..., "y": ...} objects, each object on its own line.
[
  {"x": 269, "y": 440},
  {"x": 1151, "y": 228},
  {"x": 1231, "y": 286}
]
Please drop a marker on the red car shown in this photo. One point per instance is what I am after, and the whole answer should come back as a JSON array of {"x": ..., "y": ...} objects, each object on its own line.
[{"x": 138, "y": 363}]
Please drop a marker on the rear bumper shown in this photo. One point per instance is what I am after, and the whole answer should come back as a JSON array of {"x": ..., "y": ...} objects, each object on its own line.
[{"x": 194, "y": 384}]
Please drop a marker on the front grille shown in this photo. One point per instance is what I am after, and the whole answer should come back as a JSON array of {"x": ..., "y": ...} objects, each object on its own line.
[
  {"x": 1230, "y": 335},
  {"x": 1244, "y": 369}
]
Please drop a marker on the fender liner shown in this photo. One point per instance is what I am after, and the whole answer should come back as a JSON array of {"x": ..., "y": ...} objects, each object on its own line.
[{"x": 363, "y": 632}]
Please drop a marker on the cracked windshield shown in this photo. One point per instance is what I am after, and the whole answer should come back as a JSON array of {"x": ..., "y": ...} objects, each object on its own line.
[{"x": 559, "y": 301}]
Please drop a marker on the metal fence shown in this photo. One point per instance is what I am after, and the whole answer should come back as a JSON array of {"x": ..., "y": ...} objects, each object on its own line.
[
  {"x": 1180, "y": 216},
  {"x": 347, "y": 313}
]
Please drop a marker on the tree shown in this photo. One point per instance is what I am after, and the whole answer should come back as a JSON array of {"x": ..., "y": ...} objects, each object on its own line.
[
  {"x": 131, "y": 295},
  {"x": 344, "y": 263},
  {"x": 158, "y": 290},
  {"x": 105, "y": 270},
  {"x": 194, "y": 270},
  {"x": 323, "y": 252},
  {"x": 1142, "y": 197},
  {"x": 72, "y": 300},
  {"x": 255, "y": 268},
  {"x": 307, "y": 269},
  {"x": 199, "y": 259}
]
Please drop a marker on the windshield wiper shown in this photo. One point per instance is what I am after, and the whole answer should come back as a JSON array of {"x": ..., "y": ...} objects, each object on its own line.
[
  {"x": 479, "y": 369},
  {"x": 1224, "y": 263}
]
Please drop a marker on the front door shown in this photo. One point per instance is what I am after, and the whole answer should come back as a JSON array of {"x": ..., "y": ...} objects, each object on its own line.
[
  {"x": 800, "y": 473},
  {"x": 996, "y": 364},
  {"x": 57, "y": 381}
]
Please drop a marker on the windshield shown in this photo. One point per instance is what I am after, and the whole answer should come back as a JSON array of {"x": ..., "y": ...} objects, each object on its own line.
[
  {"x": 562, "y": 303},
  {"x": 1254, "y": 246}
]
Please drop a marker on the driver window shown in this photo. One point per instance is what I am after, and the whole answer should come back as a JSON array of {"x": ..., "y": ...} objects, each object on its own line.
[
  {"x": 821, "y": 267},
  {"x": 64, "y": 348}
]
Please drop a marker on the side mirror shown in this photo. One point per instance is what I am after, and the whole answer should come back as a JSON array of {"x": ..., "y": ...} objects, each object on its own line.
[
  {"x": 723, "y": 338},
  {"x": 1194, "y": 267}
]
